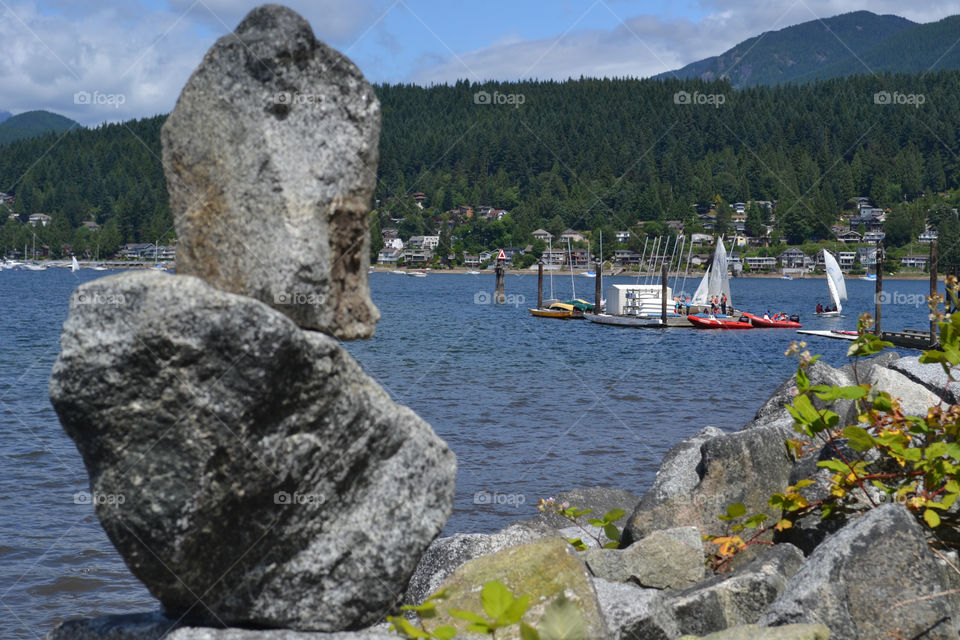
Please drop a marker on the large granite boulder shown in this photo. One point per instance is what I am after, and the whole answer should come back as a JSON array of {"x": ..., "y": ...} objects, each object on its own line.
[
  {"x": 155, "y": 626},
  {"x": 746, "y": 466},
  {"x": 271, "y": 160},
  {"x": 875, "y": 578},
  {"x": 930, "y": 376},
  {"x": 545, "y": 570},
  {"x": 665, "y": 559},
  {"x": 248, "y": 471}
]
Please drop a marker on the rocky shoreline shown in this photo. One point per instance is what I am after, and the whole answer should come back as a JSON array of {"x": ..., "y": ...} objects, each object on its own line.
[{"x": 840, "y": 582}]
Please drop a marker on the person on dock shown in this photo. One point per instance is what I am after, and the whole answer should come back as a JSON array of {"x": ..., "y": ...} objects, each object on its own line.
[
  {"x": 723, "y": 304},
  {"x": 687, "y": 304}
]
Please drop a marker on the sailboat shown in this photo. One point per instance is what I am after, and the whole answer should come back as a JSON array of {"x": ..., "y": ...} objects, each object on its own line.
[
  {"x": 716, "y": 281},
  {"x": 74, "y": 265},
  {"x": 838, "y": 288}
]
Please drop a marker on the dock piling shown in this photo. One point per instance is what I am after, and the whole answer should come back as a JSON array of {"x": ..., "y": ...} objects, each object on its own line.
[
  {"x": 663, "y": 294},
  {"x": 878, "y": 296},
  {"x": 499, "y": 297},
  {"x": 540, "y": 284},
  {"x": 598, "y": 288},
  {"x": 933, "y": 289}
]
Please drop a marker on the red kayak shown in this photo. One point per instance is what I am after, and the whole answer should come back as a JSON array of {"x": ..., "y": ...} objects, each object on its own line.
[
  {"x": 704, "y": 322},
  {"x": 757, "y": 321}
]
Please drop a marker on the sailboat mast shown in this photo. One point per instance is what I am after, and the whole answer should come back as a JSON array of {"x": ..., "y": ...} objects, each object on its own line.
[
  {"x": 639, "y": 267},
  {"x": 573, "y": 284},
  {"x": 687, "y": 269}
]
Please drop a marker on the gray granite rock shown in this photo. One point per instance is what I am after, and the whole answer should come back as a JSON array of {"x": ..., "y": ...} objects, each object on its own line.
[
  {"x": 248, "y": 471},
  {"x": 930, "y": 376},
  {"x": 666, "y": 559},
  {"x": 746, "y": 466},
  {"x": 773, "y": 412},
  {"x": 915, "y": 399},
  {"x": 154, "y": 626},
  {"x": 271, "y": 160},
  {"x": 633, "y": 613},
  {"x": 753, "y": 632},
  {"x": 598, "y": 499},
  {"x": 871, "y": 580},
  {"x": 738, "y": 598},
  {"x": 446, "y": 555}
]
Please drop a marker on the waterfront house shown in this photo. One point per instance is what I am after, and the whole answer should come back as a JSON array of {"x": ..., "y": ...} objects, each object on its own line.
[
  {"x": 914, "y": 261},
  {"x": 417, "y": 256},
  {"x": 485, "y": 256},
  {"x": 135, "y": 251},
  {"x": 845, "y": 259},
  {"x": 423, "y": 242},
  {"x": 389, "y": 255},
  {"x": 471, "y": 261},
  {"x": 624, "y": 257},
  {"x": 792, "y": 258},
  {"x": 761, "y": 263},
  {"x": 554, "y": 257}
]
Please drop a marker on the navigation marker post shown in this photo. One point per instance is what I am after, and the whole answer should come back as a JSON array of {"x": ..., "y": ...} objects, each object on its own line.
[{"x": 499, "y": 297}]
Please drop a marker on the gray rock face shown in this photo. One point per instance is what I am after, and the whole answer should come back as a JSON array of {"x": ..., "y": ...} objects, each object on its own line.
[
  {"x": 599, "y": 499},
  {"x": 773, "y": 413},
  {"x": 154, "y": 626},
  {"x": 915, "y": 399},
  {"x": 248, "y": 472},
  {"x": 747, "y": 466},
  {"x": 718, "y": 603},
  {"x": 929, "y": 375},
  {"x": 667, "y": 559},
  {"x": 739, "y": 598},
  {"x": 446, "y": 555},
  {"x": 753, "y": 632},
  {"x": 869, "y": 581},
  {"x": 271, "y": 160}
]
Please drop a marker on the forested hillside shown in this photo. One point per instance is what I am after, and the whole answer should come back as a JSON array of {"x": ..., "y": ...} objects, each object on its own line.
[
  {"x": 32, "y": 123},
  {"x": 584, "y": 154}
]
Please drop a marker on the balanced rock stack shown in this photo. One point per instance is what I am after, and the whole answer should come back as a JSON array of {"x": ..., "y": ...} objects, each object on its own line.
[{"x": 267, "y": 482}]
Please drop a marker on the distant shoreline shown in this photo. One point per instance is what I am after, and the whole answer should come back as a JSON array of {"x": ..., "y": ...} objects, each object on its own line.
[{"x": 672, "y": 274}]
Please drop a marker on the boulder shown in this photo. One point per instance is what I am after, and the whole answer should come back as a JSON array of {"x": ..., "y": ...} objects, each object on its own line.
[
  {"x": 738, "y": 598},
  {"x": 875, "y": 578},
  {"x": 713, "y": 605},
  {"x": 747, "y": 466},
  {"x": 155, "y": 626},
  {"x": 544, "y": 570},
  {"x": 249, "y": 472},
  {"x": 271, "y": 158},
  {"x": 930, "y": 376},
  {"x": 666, "y": 559},
  {"x": 446, "y": 555},
  {"x": 773, "y": 412},
  {"x": 753, "y": 632},
  {"x": 915, "y": 399},
  {"x": 633, "y": 613}
]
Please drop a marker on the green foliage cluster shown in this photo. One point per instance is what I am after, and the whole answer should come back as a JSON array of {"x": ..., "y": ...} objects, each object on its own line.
[
  {"x": 900, "y": 458},
  {"x": 561, "y": 620},
  {"x": 574, "y": 514}
]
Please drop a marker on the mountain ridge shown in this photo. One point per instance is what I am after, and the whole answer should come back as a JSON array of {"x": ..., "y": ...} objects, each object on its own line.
[{"x": 31, "y": 124}]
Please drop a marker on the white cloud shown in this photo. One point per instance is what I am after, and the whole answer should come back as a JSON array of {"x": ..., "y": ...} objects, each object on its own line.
[{"x": 646, "y": 45}]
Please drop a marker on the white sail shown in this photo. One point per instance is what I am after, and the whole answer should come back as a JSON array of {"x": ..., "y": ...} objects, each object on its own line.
[
  {"x": 838, "y": 288},
  {"x": 75, "y": 266},
  {"x": 700, "y": 296}
]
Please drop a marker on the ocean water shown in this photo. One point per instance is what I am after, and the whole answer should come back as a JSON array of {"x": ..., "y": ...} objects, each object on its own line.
[{"x": 530, "y": 406}]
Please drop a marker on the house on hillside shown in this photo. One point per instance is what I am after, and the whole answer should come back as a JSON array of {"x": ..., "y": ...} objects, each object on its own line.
[
  {"x": 542, "y": 234},
  {"x": 848, "y": 237},
  {"x": 135, "y": 251},
  {"x": 914, "y": 261},
  {"x": 792, "y": 258},
  {"x": 623, "y": 236},
  {"x": 927, "y": 236},
  {"x": 39, "y": 218},
  {"x": 867, "y": 256},
  {"x": 389, "y": 255},
  {"x": 572, "y": 236},
  {"x": 624, "y": 257},
  {"x": 761, "y": 263},
  {"x": 91, "y": 225}
]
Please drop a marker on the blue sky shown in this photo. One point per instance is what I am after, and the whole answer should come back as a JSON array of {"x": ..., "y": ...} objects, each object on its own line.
[{"x": 133, "y": 56}]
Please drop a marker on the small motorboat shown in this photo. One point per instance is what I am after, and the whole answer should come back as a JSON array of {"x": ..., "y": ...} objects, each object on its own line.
[
  {"x": 417, "y": 274},
  {"x": 712, "y": 322},
  {"x": 765, "y": 323},
  {"x": 558, "y": 310}
]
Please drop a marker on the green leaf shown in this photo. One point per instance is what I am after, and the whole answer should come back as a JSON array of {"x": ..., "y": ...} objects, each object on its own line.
[
  {"x": 935, "y": 450},
  {"x": 445, "y": 632},
  {"x": 612, "y": 532},
  {"x": 597, "y": 522},
  {"x": 803, "y": 380},
  {"x": 613, "y": 544},
  {"x": 402, "y": 625},
  {"x": 577, "y": 543},
  {"x": 515, "y": 612},
  {"x": 614, "y": 514},
  {"x": 528, "y": 633},
  {"x": 469, "y": 616},
  {"x": 496, "y": 599},
  {"x": 882, "y": 402},
  {"x": 755, "y": 520},
  {"x": 736, "y": 510},
  {"x": 835, "y": 465},
  {"x": 932, "y": 518},
  {"x": 858, "y": 438},
  {"x": 562, "y": 621},
  {"x": 847, "y": 393}
]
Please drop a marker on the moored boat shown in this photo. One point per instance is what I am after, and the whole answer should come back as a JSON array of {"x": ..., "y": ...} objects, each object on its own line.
[
  {"x": 558, "y": 310},
  {"x": 712, "y": 322},
  {"x": 766, "y": 323}
]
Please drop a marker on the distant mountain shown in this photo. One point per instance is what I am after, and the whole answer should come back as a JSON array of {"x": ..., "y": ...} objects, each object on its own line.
[
  {"x": 31, "y": 124},
  {"x": 806, "y": 51},
  {"x": 4, "y": 115}
]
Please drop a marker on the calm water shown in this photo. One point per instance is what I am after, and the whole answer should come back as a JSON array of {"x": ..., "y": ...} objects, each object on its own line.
[{"x": 530, "y": 406}]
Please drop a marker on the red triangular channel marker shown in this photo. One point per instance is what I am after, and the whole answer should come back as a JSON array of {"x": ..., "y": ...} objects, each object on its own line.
[{"x": 501, "y": 255}]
